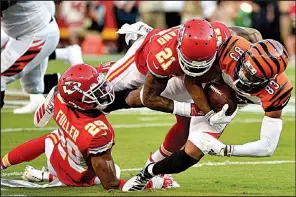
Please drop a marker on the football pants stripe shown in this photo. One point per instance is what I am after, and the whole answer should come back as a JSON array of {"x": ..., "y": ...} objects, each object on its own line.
[{"x": 120, "y": 69}]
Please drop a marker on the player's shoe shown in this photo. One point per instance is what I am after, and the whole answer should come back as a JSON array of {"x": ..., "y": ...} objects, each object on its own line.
[
  {"x": 173, "y": 184},
  {"x": 33, "y": 175},
  {"x": 138, "y": 182},
  {"x": 35, "y": 101},
  {"x": 74, "y": 55}
]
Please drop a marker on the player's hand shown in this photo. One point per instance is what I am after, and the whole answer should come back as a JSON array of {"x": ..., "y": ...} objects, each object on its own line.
[{"x": 220, "y": 117}]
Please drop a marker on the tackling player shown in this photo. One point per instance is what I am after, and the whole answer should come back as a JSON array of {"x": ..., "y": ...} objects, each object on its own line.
[
  {"x": 35, "y": 35},
  {"x": 187, "y": 51},
  {"x": 256, "y": 73},
  {"x": 79, "y": 152}
]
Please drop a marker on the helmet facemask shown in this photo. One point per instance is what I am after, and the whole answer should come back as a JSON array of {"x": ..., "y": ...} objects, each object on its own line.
[
  {"x": 192, "y": 68},
  {"x": 246, "y": 79},
  {"x": 100, "y": 93}
]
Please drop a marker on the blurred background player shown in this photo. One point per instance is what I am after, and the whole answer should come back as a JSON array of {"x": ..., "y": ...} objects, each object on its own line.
[
  {"x": 35, "y": 35},
  {"x": 71, "y": 55}
]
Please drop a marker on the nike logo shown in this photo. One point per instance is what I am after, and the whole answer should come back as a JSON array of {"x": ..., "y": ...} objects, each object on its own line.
[
  {"x": 157, "y": 67},
  {"x": 105, "y": 133}
]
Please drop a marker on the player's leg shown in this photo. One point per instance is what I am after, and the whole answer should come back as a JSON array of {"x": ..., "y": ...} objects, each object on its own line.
[
  {"x": 124, "y": 74},
  {"x": 25, "y": 152},
  {"x": 72, "y": 55},
  {"x": 12, "y": 62},
  {"x": 26, "y": 52},
  {"x": 201, "y": 140},
  {"x": 174, "y": 140},
  {"x": 34, "y": 175},
  {"x": 4, "y": 39},
  {"x": 33, "y": 82},
  {"x": 177, "y": 135}
]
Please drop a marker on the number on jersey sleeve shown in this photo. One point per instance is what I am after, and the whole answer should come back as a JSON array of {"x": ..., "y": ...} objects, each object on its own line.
[
  {"x": 103, "y": 137},
  {"x": 276, "y": 94}
]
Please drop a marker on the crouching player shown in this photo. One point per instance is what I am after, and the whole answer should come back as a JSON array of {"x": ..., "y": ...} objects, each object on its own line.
[{"x": 78, "y": 152}]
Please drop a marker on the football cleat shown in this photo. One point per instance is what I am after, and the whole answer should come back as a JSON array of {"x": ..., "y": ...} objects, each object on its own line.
[
  {"x": 33, "y": 175},
  {"x": 35, "y": 101},
  {"x": 139, "y": 182},
  {"x": 169, "y": 181}
]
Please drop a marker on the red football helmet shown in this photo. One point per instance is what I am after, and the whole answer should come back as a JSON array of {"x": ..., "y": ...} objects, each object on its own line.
[
  {"x": 261, "y": 63},
  {"x": 83, "y": 87},
  {"x": 197, "y": 47}
]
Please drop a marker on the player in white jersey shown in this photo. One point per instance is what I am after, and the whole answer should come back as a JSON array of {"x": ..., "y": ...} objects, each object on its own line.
[
  {"x": 35, "y": 35},
  {"x": 71, "y": 54}
]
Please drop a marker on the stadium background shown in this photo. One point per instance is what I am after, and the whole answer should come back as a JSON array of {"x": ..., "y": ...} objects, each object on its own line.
[{"x": 92, "y": 25}]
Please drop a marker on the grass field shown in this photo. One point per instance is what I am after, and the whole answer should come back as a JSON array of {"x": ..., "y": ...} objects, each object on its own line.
[{"x": 139, "y": 133}]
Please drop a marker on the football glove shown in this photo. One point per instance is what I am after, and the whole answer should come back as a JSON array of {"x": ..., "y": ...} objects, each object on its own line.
[{"x": 220, "y": 117}]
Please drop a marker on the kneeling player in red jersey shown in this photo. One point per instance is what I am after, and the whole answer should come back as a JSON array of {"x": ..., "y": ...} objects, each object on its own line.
[{"x": 78, "y": 152}]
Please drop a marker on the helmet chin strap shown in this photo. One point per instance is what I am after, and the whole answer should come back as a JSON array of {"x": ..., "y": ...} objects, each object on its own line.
[{"x": 100, "y": 107}]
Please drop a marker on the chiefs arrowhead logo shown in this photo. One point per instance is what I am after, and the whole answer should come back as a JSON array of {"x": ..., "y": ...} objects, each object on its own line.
[{"x": 71, "y": 86}]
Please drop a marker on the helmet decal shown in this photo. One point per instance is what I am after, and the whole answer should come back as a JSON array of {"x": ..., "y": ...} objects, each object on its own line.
[{"x": 71, "y": 86}]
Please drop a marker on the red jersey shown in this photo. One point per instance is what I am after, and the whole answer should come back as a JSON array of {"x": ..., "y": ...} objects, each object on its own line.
[
  {"x": 158, "y": 52},
  {"x": 80, "y": 137},
  {"x": 274, "y": 96}
]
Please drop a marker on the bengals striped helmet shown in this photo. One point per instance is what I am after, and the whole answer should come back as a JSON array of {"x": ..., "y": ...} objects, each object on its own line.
[{"x": 261, "y": 63}]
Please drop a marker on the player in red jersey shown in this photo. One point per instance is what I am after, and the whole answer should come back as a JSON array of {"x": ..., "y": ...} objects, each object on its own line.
[
  {"x": 177, "y": 136},
  {"x": 79, "y": 151},
  {"x": 186, "y": 51},
  {"x": 256, "y": 73}
]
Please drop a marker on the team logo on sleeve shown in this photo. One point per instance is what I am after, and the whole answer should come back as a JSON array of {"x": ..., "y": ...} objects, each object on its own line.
[{"x": 71, "y": 86}]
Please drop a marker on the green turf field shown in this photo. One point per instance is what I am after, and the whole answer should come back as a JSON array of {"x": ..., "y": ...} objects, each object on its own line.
[{"x": 137, "y": 134}]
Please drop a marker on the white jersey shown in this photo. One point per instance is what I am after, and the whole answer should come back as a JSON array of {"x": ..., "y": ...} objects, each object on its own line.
[
  {"x": 50, "y": 6},
  {"x": 25, "y": 17}
]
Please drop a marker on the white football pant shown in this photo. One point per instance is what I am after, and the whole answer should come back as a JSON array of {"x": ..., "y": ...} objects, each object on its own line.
[{"x": 27, "y": 56}]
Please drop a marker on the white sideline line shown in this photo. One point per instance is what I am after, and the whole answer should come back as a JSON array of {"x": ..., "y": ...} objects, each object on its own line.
[
  {"x": 128, "y": 126},
  {"x": 225, "y": 163}
]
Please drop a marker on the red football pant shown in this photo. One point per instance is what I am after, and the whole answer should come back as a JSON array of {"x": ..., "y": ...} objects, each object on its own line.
[
  {"x": 25, "y": 152},
  {"x": 174, "y": 140}
]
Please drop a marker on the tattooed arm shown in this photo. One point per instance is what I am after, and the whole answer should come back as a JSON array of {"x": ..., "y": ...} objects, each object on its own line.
[
  {"x": 195, "y": 89},
  {"x": 152, "y": 89},
  {"x": 250, "y": 34}
]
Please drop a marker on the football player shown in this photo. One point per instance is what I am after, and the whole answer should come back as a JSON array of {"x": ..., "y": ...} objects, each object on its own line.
[
  {"x": 187, "y": 51},
  {"x": 256, "y": 73},
  {"x": 78, "y": 152},
  {"x": 35, "y": 35},
  {"x": 71, "y": 54}
]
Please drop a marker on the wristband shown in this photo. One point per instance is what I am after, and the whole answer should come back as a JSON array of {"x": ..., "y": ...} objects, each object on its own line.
[
  {"x": 209, "y": 114},
  {"x": 182, "y": 109}
]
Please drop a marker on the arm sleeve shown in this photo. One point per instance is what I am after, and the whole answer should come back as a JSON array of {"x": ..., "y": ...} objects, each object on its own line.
[
  {"x": 45, "y": 111},
  {"x": 269, "y": 136},
  {"x": 102, "y": 141}
]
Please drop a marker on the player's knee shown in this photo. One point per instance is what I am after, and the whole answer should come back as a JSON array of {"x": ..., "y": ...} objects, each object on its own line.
[
  {"x": 33, "y": 88},
  {"x": 193, "y": 151}
]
